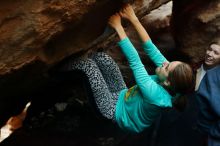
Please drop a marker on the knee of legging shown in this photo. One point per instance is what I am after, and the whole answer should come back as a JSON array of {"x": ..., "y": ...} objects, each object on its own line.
[
  {"x": 83, "y": 64},
  {"x": 99, "y": 56},
  {"x": 91, "y": 64}
]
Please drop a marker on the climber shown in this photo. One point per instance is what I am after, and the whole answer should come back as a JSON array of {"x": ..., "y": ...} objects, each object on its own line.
[{"x": 134, "y": 109}]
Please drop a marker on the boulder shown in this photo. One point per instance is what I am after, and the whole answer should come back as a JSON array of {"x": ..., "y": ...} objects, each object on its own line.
[{"x": 37, "y": 35}]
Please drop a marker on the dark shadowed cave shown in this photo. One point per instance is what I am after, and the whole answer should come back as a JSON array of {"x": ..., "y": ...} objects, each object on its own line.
[{"x": 37, "y": 36}]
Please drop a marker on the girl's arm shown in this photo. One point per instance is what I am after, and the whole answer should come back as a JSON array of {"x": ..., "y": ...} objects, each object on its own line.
[
  {"x": 115, "y": 23},
  {"x": 150, "y": 49},
  {"x": 149, "y": 88},
  {"x": 151, "y": 91}
]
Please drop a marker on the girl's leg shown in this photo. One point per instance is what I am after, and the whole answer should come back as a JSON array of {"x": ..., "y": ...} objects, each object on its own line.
[
  {"x": 103, "y": 97},
  {"x": 110, "y": 71}
]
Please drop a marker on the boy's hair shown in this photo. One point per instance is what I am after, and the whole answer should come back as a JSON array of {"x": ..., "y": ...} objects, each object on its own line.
[
  {"x": 182, "y": 81},
  {"x": 215, "y": 41}
]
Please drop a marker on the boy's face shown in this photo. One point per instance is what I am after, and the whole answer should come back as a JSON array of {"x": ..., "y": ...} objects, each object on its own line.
[{"x": 212, "y": 57}]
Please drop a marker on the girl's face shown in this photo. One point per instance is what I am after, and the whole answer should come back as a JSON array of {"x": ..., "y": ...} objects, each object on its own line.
[
  {"x": 163, "y": 71},
  {"x": 212, "y": 57}
]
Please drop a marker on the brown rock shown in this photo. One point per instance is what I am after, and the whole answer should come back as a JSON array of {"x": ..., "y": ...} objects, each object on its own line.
[{"x": 36, "y": 35}]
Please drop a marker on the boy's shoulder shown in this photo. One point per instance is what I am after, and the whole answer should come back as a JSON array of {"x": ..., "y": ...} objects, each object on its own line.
[{"x": 213, "y": 74}]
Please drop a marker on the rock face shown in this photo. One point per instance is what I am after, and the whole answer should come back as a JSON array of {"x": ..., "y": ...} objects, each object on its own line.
[
  {"x": 195, "y": 24},
  {"x": 48, "y": 31},
  {"x": 27, "y": 26},
  {"x": 36, "y": 35}
]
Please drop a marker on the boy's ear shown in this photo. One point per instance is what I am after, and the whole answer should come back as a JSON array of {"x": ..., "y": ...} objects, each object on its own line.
[{"x": 166, "y": 83}]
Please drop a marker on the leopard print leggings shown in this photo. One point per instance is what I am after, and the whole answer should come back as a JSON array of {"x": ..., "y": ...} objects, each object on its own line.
[{"x": 105, "y": 80}]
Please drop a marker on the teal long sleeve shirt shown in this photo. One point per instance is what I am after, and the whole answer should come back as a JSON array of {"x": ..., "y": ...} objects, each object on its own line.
[{"x": 139, "y": 106}]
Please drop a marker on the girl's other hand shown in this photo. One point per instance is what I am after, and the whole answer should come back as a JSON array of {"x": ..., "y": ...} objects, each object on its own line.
[
  {"x": 115, "y": 21},
  {"x": 127, "y": 12}
]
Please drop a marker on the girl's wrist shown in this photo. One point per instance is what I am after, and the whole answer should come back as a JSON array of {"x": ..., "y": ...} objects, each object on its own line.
[
  {"x": 119, "y": 28},
  {"x": 121, "y": 32},
  {"x": 134, "y": 20}
]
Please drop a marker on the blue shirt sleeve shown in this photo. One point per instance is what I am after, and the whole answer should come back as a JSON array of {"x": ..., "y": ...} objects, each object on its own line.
[
  {"x": 148, "y": 87},
  {"x": 213, "y": 81},
  {"x": 153, "y": 52},
  {"x": 210, "y": 90}
]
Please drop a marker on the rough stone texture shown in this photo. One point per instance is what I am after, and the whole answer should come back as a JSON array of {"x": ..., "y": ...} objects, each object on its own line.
[
  {"x": 195, "y": 24},
  {"x": 36, "y": 35},
  {"x": 51, "y": 30}
]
